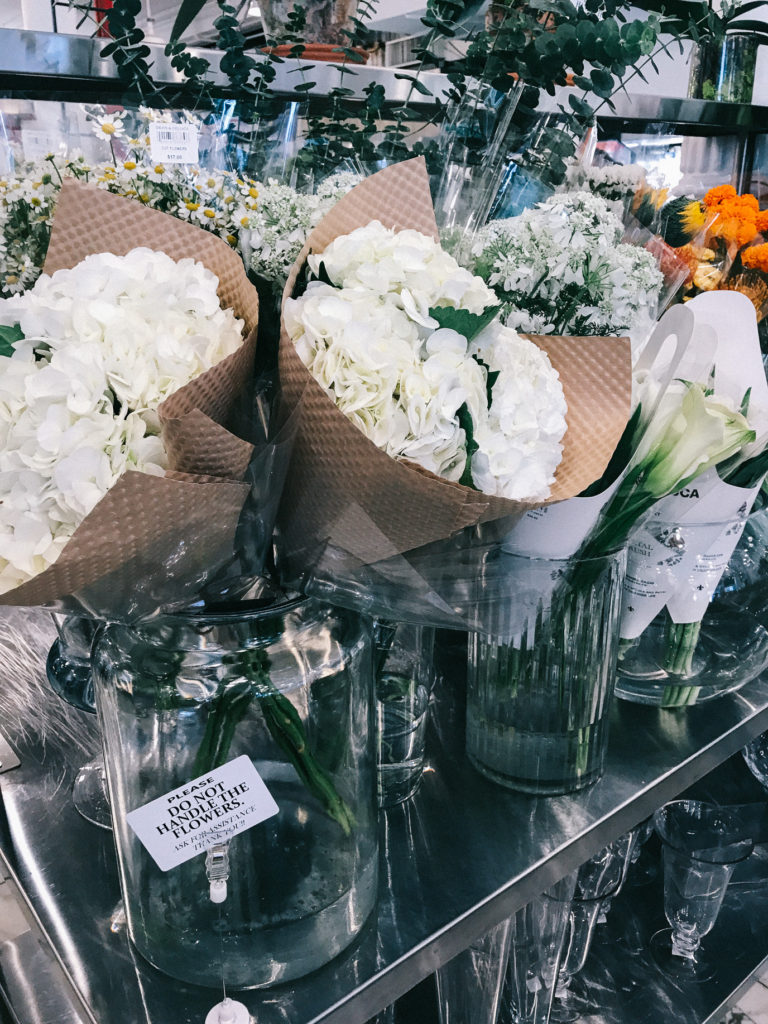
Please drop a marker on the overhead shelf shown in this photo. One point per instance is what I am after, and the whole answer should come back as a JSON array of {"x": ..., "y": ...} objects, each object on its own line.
[
  {"x": 47, "y": 65},
  {"x": 458, "y": 858}
]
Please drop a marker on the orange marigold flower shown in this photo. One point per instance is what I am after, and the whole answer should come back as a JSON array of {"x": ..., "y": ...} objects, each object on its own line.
[
  {"x": 756, "y": 258},
  {"x": 717, "y": 195},
  {"x": 761, "y": 221}
]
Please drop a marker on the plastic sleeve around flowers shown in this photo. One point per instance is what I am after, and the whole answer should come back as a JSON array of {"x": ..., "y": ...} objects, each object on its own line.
[
  {"x": 458, "y": 583},
  {"x": 157, "y": 544}
]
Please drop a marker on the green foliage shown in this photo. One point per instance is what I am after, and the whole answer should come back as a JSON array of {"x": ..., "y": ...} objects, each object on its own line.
[
  {"x": 699, "y": 21},
  {"x": 462, "y": 321},
  {"x": 129, "y": 53},
  {"x": 9, "y": 334},
  {"x": 541, "y": 42}
]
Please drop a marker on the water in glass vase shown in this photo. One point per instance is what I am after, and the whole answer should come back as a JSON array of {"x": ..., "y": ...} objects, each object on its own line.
[
  {"x": 540, "y": 684},
  {"x": 290, "y": 687},
  {"x": 402, "y": 704},
  {"x": 290, "y": 906}
]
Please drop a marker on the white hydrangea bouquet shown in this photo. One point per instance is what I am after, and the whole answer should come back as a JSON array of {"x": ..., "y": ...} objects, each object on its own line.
[
  {"x": 90, "y": 354},
  {"x": 473, "y": 402},
  {"x": 421, "y": 414},
  {"x": 120, "y": 483},
  {"x": 562, "y": 268}
]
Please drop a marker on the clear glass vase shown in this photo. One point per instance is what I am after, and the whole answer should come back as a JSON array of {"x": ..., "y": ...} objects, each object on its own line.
[
  {"x": 702, "y": 844},
  {"x": 404, "y": 678},
  {"x": 537, "y": 936},
  {"x": 539, "y": 688},
  {"x": 469, "y": 986},
  {"x": 724, "y": 69},
  {"x": 693, "y": 618},
  {"x": 289, "y": 686},
  {"x": 68, "y": 669}
]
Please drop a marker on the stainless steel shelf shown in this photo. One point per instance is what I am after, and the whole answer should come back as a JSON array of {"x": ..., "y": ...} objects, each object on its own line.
[
  {"x": 457, "y": 859},
  {"x": 707, "y": 116},
  {"x": 52, "y": 65},
  {"x": 622, "y": 983}
]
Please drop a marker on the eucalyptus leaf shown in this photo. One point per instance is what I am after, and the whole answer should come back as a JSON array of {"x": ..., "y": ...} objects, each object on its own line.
[
  {"x": 462, "y": 321},
  {"x": 9, "y": 334}
]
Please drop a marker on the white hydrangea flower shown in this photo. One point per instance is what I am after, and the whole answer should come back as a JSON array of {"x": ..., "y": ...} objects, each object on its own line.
[
  {"x": 407, "y": 263},
  {"x": 104, "y": 343},
  {"x": 519, "y": 442},
  {"x": 407, "y": 383},
  {"x": 157, "y": 323}
]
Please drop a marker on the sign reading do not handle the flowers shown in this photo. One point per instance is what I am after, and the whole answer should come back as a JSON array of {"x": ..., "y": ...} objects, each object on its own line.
[{"x": 202, "y": 813}]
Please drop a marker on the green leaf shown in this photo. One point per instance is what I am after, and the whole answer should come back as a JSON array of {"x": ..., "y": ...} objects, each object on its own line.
[
  {"x": 465, "y": 422},
  {"x": 462, "y": 321},
  {"x": 415, "y": 83},
  {"x": 580, "y": 106},
  {"x": 744, "y": 407},
  {"x": 8, "y": 335},
  {"x": 322, "y": 275}
]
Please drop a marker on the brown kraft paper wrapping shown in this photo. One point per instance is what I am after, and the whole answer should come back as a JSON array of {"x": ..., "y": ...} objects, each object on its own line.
[
  {"x": 335, "y": 466},
  {"x": 156, "y": 536}
]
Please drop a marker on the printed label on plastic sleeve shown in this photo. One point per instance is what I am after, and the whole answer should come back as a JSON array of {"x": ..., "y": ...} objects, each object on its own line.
[
  {"x": 678, "y": 558},
  {"x": 653, "y": 562},
  {"x": 203, "y": 812},
  {"x": 173, "y": 143},
  {"x": 557, "y": 531},
  {"x": 694, "y": 592}
]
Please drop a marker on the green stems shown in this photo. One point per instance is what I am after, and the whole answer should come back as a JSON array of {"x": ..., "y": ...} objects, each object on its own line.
[
  {"x": 285, "y": 727},
  {"x": 679, "y": 648}
]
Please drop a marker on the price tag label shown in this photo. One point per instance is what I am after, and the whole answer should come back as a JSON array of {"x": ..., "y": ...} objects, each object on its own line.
[
  {"x": 206, "y": 811},
  {"x": 173, "y": 143}
]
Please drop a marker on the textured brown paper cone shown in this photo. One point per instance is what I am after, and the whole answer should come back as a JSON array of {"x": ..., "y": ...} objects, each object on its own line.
[
  {"x": 157, "y": 535},
  {"x": 335, "y": 466},
  {"x": 89, "y": 220},
  {"x": 153, "y": 539}
]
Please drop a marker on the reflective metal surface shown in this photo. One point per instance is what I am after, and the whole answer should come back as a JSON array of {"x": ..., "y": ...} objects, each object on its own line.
[
  {"x": 32, "y": 981},
  {"x": 643, "y": 108},
  {"x": 457, "y": 859},
  {"x": 49, "y": 62},
  {"x": 621, "y": 982}
]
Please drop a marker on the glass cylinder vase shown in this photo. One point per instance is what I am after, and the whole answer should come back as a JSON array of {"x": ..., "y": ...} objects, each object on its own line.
[
  {"x": 289, "y": 687},
  {"x": 693, "y": 611},
  {"x": 539, "y": 687},
  {"x": 404, "y": 674},
  {"x": 724, "y": 69}
]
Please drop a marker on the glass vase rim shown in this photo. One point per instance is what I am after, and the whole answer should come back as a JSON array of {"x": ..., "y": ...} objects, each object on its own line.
[
  {"x": 573, "y": 559},
  {"x": 713, "y": 855},
  {"x": 224, "y": 614}
]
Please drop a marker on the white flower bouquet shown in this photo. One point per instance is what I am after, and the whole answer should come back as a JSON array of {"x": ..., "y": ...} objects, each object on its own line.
[
  {"x": 121, "y": 486},
  {"x": 420, "y": 415},
  {"x": 697, "y": 472},
  {"x": 562, "y": 267}
]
